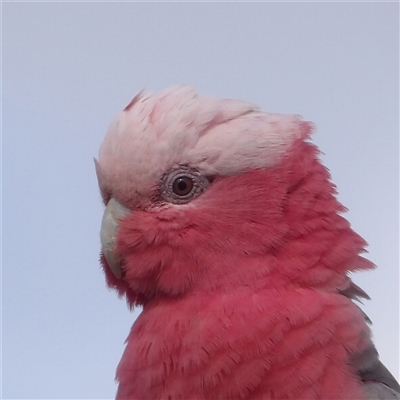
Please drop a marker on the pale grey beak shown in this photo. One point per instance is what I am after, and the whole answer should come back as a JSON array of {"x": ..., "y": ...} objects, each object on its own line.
[{"x": 114, "y": 212}]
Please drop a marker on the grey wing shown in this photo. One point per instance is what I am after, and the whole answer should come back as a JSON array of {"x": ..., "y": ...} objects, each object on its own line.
[
  {"x": 375, "y": 371},
  {"x": 379, "y": 383},
  {"x": 379, "y": 391}
]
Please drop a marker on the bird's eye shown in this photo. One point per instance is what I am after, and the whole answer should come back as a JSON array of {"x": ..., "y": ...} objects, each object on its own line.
[{"x": 182, "y": 184}]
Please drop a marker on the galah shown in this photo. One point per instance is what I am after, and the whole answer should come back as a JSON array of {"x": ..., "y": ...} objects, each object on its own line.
[{"x": 222, "y": 223}]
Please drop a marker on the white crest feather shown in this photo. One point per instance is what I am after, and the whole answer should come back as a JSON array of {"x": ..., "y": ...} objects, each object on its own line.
[{"x": 217, "y": 136}]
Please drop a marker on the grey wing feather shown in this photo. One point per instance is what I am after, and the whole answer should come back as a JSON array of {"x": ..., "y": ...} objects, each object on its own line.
[
  {"x": 379, "y": 391},
  {"x": 379, "y": 373},
  {"x": 379, "y": 383}
]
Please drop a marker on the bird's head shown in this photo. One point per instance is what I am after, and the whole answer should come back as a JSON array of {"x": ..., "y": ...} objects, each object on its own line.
[{"x": 204, "y": 194}]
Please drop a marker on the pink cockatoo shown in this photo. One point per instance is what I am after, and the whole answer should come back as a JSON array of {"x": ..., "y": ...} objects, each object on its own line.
[{"x": 223, "y": 224}]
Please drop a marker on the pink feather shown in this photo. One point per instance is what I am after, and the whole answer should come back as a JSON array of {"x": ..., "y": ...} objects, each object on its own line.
[{"x": 241, "y": 287}]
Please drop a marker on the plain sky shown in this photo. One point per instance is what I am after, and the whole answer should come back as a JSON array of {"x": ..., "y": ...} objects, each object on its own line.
[{"x": 69, "y": 67}]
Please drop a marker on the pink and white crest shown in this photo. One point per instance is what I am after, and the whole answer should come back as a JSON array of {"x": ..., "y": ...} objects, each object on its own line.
[{"x": 156, "y": 132}]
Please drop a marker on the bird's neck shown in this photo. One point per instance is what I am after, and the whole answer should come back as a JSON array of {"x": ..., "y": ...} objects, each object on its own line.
[{"x": 283, "y": 344}]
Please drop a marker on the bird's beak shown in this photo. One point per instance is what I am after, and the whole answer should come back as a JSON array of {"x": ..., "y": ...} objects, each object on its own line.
[{"x": 113, "y": 213}]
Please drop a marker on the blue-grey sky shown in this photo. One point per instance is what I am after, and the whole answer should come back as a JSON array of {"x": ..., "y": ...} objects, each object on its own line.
[{"x": 69, "y": 67}]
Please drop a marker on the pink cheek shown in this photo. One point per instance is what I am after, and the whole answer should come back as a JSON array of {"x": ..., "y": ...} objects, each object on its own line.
[
  {"x": 141, "y": 231},
  {"x": 146, "y": 263},
  {"x": 159, "y": 268},
  {"x": 159, "y": 250}
]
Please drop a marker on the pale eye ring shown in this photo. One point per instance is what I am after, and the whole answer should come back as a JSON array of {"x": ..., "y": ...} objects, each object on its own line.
[{"x": 182, "y": 184}]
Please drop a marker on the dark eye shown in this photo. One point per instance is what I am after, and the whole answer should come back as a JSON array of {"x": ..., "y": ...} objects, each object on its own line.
[{"x": 182, "y": 184}]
